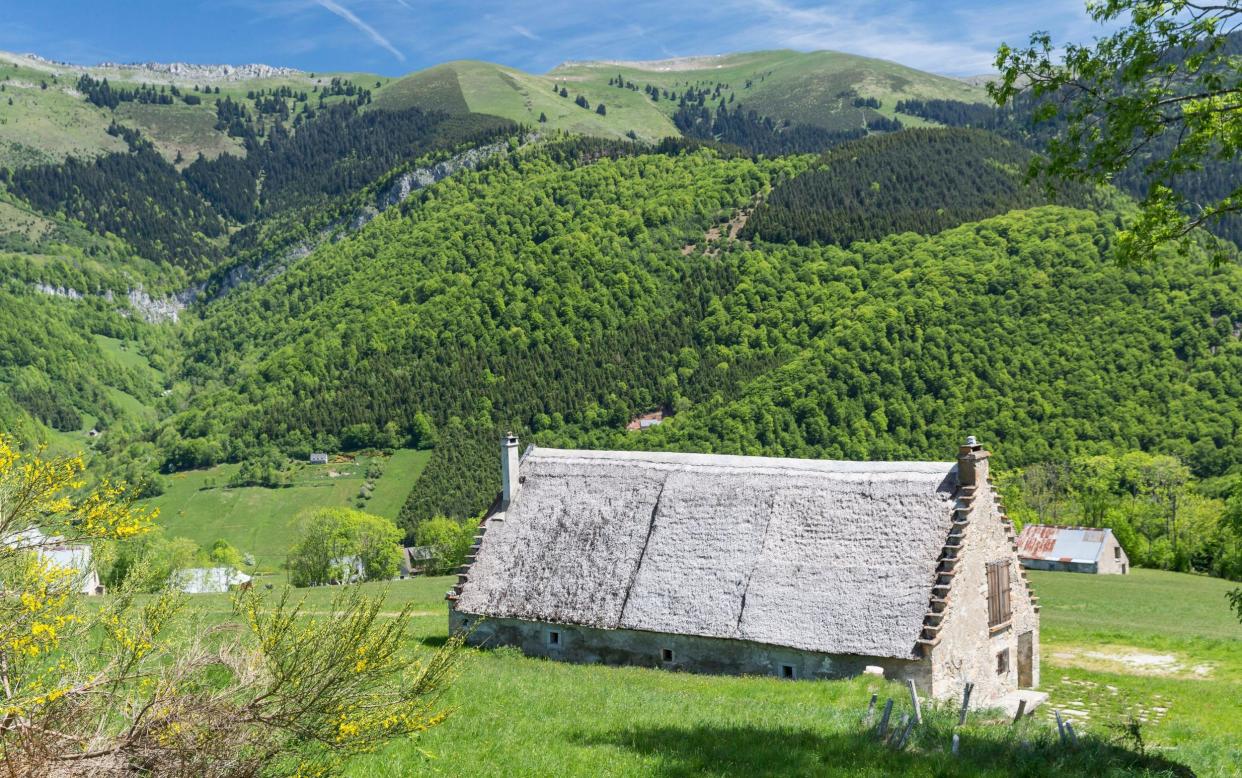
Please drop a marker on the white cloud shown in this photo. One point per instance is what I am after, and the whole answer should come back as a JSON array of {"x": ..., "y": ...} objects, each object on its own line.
[
  {"x": 370, "y": 31},
  {"x": 525, "y": 33}
]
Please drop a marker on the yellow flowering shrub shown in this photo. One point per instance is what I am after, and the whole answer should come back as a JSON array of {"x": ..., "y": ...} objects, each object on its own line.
[{"x": 131, "y": 680}]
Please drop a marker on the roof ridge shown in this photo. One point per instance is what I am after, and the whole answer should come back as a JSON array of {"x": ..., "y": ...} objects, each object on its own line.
[{"x": 742, "y": 461}]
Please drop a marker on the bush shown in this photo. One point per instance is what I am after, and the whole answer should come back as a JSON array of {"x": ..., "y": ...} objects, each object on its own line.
[
  {"x": 121, "y": 689},
  {"x": 331, "y": 540},
  {"x": 449, "y": 540}
]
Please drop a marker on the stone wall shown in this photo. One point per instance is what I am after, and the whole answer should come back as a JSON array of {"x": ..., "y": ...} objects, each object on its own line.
[
  {"x": 967, "y": 649},
  {"x": 685, "y": 653},
  {"x": 1113, "y": 559}
]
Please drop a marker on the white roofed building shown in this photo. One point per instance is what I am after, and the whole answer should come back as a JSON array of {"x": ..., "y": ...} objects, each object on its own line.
[
  {"x": 208, "y": 580},
  {"x": 58, "y": 552},
  {"x": 757, "y": 565}
]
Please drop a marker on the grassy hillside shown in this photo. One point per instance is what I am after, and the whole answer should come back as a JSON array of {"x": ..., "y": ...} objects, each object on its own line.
[
  {"x": 47, "y": 125},
  {"x": 44, "y": 125},
  {"x": 482, "y": 87},
  {"x": 532, "y": 717},
  {"x": 803, "y": 87},
  {"x": 199, "y": 504}
]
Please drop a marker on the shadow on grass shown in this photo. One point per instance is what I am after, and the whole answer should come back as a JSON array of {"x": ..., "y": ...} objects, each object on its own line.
[
  {"x": 771, "y": 752},
  {"x": 434, "y": 641}
]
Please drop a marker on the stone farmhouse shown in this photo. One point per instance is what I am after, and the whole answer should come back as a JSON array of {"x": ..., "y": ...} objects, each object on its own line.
[
  {"x": 796, "y": 568},
  {"x": 1072, "y": 550}
]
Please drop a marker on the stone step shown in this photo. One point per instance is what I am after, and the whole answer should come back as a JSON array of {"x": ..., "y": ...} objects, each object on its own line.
[{"x": 1011, "y": 701}]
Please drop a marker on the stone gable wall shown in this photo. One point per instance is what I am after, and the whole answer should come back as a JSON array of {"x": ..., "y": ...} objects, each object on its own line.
[{"x": 967, "y": 648}]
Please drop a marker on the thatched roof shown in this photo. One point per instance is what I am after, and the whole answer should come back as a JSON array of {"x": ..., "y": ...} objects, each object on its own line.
[{"x": 838, "y": 557}]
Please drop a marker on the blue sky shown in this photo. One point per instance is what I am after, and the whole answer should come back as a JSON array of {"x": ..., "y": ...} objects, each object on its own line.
[{"x": 398, "y": 36}]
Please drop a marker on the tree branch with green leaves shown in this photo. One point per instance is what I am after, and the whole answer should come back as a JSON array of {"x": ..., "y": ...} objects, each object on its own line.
[{"x": 1162, "y": 94}]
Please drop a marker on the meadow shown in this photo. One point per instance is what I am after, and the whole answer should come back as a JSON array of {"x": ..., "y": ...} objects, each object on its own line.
[
  {"x": 520, "y": 716},
  {"x": 199, "y": 504}
]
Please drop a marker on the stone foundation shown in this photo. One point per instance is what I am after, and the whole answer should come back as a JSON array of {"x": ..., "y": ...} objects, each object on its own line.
[{"x": 685, "y": 653}]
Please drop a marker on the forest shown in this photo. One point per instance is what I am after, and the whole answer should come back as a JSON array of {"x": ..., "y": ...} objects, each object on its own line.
[
  {"x": 915, "y": 181},
  {"x": 136, "y": 195},
  {"x": 183, "y": 217},
  {"x": 549, "y": 294},
  {"x": 891, "y": 289}
]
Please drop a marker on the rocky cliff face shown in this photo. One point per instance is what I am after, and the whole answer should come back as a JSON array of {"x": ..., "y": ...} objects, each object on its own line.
[
  {"x": 185, "y": 70},
  {"x": 410, "y": 182},
  {"x": 152, "y": 309}
]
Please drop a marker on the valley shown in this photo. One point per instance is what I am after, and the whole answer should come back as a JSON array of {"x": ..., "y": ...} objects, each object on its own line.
[{"x": 294, "y": 312}]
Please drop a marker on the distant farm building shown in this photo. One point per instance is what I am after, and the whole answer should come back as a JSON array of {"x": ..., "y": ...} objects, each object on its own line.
[
  {"x": 76, "y": 557},
  {"x": 319, "y": 458},
  {"x": 753, "y": 565},
  {"x": 1072, "y": 550},
  {"x": 414, "y": 560},
  {"x": 646, "y": 420},
  {"x": 208, "y": 580},
  {"x": 58, "y": 553}
]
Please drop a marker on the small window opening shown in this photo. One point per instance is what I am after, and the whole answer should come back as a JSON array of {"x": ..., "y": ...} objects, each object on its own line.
[
  {"x": 666, "y": 655},
  {"x": 1116, "y": 552},
  {"x": 1002, "y": 662},
  {"x": 554, "y": 638},
  {"x": 787, "y": 671}
]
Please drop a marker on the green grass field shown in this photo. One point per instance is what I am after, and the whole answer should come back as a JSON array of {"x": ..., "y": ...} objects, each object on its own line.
[
  {"x": 529, "y": 717},
  {"x": 803, "y": 87},
  {"x": 199, "y": 505},
  {"x": 186, "y": 129},
  {"x": 46, "y": 125},
  {"x": 483, "y": 87}
]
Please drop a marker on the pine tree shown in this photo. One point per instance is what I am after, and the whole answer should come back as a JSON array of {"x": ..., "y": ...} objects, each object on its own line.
[{"x": 601, "y": 110}]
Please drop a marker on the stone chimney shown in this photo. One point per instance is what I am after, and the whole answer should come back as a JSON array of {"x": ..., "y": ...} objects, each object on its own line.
[
  {"x": 508, "y": 469},
  {"x": 972, "y": 463}
]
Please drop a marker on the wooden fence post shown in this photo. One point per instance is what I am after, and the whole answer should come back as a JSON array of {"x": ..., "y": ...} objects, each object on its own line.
[
  {"x": 871, "y": 708},
  {"x": 905, "y": 733},
  {"x": 888, "y": 710},
  {"x": 1021, "y": 709},
  {"x": 961, "y": 717}
]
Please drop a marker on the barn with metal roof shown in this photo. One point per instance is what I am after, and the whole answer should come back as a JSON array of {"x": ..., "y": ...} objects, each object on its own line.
[{"x": 1072, "y": 550}]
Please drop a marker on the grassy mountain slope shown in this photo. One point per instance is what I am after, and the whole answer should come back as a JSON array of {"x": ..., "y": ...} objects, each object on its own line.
[
  {"x": 200, "y": 504},
  {"x": 47, "y": 125},
  {"x": 501, "y": 91},
  {"x": 803, "y": 87}
]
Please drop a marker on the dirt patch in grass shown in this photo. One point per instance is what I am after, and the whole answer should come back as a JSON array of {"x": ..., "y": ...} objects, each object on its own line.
[{"x": 1131, "y": 661}]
